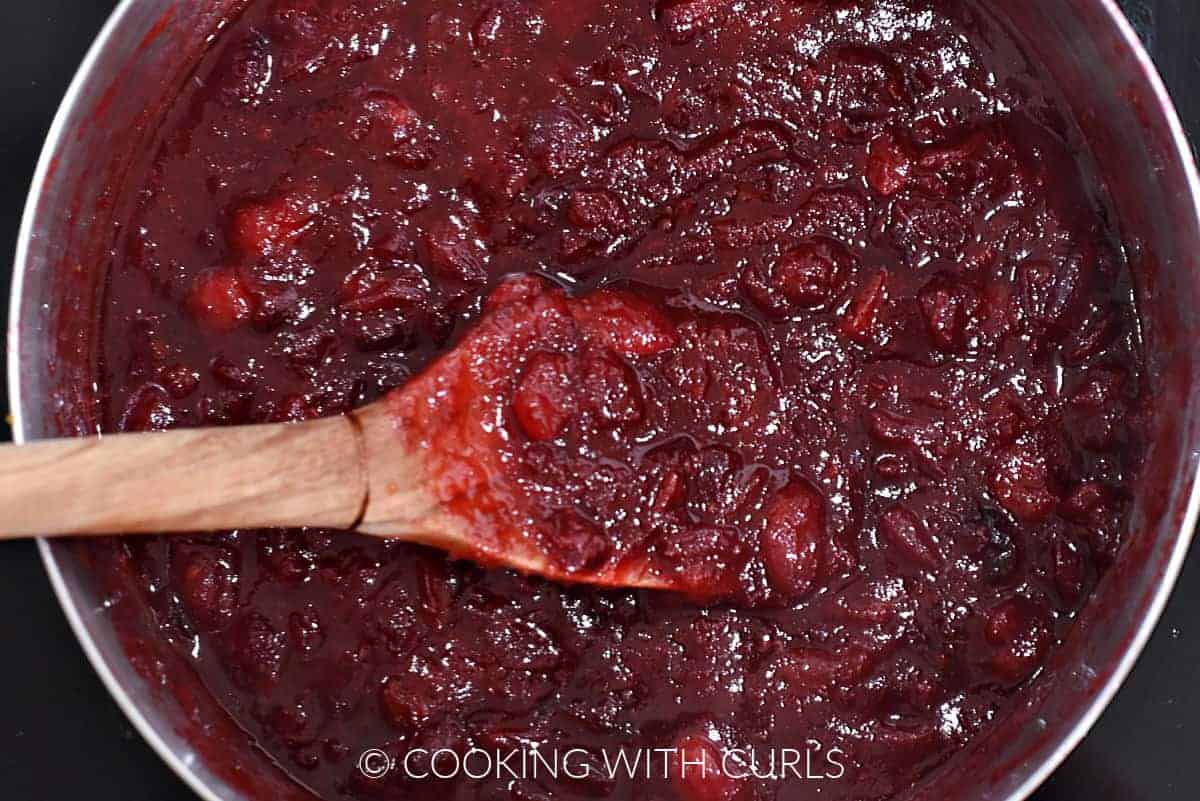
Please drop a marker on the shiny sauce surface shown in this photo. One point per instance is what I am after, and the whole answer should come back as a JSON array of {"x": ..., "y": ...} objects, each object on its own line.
[{"x": 834, "y": 320}]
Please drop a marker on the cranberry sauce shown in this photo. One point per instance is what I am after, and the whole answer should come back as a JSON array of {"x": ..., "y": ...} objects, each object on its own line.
[{"x": 854, "y": 344}]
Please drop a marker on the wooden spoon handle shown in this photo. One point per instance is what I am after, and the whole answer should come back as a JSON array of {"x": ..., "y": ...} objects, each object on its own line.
[{"x": 299, "y": 474}]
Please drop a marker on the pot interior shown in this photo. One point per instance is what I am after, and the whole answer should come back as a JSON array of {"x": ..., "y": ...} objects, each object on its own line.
[{"x": 1137, "y": 148}]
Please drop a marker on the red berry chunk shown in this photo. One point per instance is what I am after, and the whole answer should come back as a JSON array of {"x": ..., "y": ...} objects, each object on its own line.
[
  {"x": 888, "y": 166},
  {"x": 699, "y": 771},
  {"x": 578, "y": 542},
  {"x": 458, "y": 249},
  {"x": 400, "y": 119},
  {"x": 612, "y": 390},
  {"x": 595, "y": 208},
  {"x": 1021, "y": 483},
  {"x": 810, "y": 274},
  {"x": 861, "y": 320},
  {"x": 684, "y": 20},
  {"x": 180, "y": 380},
  {"x": 392, "y": 126},
  {"x": 256, "y": 650},
  {"x": 505, "y": 25},
  {"x": 626, "y": 324},
  {"x": 545, "y": 400},
  {"x": 907, "y": 535},
  {"x": 1047, "y": 289},
  {"x": 793, "y": 539},
  {"x": 409, "y": 701},
  {"x": 813, "y": 669},
  {"x": 1070, "y": 571},
  {"x": 271, "y": 225},
  {"x": 221, "y": 300},
  {"x": 1019, "y": 631},
  {"x": 367, "y": 290},
  {"x": 805, "y": 277},
  {"x": 148, "y": 409},
  {"x": 949, "y": 309},
  {"x": 558, "y": 140},
  {"x": 208, "y": 579}
]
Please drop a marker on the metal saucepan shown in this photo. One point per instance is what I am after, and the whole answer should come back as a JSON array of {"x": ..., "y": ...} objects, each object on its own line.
[{"x": 1141, "y": 151}]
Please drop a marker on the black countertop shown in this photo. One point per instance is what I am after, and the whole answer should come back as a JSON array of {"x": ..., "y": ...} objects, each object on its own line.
[{"x": 62, "y": 737}]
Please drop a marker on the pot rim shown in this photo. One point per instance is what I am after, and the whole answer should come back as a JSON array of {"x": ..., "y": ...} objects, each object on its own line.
[{"x": 187, "y": 767}]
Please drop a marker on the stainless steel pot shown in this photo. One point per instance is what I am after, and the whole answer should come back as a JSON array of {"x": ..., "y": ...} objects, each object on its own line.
[{"x": 1141, "y": 150}]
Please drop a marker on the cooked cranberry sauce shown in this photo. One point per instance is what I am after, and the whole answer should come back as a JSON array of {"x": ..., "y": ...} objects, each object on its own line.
[{"x": 847, "y": 335}]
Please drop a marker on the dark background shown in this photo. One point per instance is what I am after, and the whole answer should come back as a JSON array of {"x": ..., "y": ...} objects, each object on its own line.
[{"x": 62, "y": 737}]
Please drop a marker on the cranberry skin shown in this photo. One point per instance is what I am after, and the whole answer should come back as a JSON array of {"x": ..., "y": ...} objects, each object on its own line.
[
  {"x": 506, "y": 25},
  {"x": 256, "y": 651},
  {"x": 698, "y": 773},
  {"x": 1096, "y": 409},
  {"x": 595, "y": 208},
  {"x": 269, "y": 226},
  {"x": 1000, "y": 548},
  {"x": 1098, "y": 510},
  {"x": 1047, "y": 290},
  {"x": 597, "y": 224},
  {"x": 368, "y": 290},
  {"x": 805, "y": 669},
  {"x": 950, "y": 309},
  {"x": 862, "y": 319},
  {"x": 807, "y": 276},
  {"x": 180, "y": 380},
  {"x": 1091, "y": 339},
  {"x": 907, "y": 535},
  {"x": 306, "y": 632},
  {"x": 1006, "y": 418},
  {"x": 671, "y": 491},
  {"x": 888, "y": 166},
  {"x": 408, "y": 701},
  {"x": 558, "y": 140},
  {"x": 1090, "y": 502},
  {"x": 612, "y": 390},
  {"x": 297, "y": 722},
  {"x": 708, "y": 557},
  {"x": 391, "y": 622},
  {"x": 1021, "y": 483},
  {"x": 836, "y": 213},
  {"x": 545, "y": 400},
  {"x": 626, "y": 324},
  {"x": 245, "y": 74},
  {"x": 684, "y": 20},
  {"x": 1070, "y": 572},
  {"x": 397, "y": 130},
  {"x": 148, "y": 409},
  {"x": 458, "y": 249},
  {"x": 220, "y": 300},
  {"x": 208, "y": 581},
  {"x": 578, "y": 542},
  {"x": 1020, "y": 633},
  {"x": 793, "y": 539}
]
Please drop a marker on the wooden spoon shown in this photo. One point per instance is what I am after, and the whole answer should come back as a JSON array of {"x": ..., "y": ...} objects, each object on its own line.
[
  {"x": 418, "y": 465},
  {"x": 349, "y": 472}
]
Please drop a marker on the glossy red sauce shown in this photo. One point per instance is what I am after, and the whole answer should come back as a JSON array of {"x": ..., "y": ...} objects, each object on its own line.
[{"x": 816, "y": 303}]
